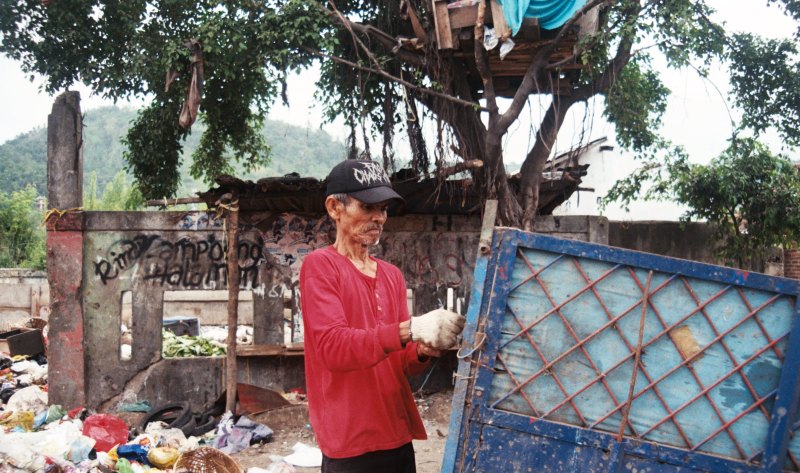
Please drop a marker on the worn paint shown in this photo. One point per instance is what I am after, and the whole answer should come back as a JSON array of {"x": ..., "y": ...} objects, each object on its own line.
[{"x": 713, "y": 390}]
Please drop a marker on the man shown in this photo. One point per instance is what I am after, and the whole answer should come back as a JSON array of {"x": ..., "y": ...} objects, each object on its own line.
[{"x": 360, "y": 343}]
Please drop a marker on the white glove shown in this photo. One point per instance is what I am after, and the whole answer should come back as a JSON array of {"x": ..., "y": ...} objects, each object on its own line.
[{"x": 438, "y": 328}]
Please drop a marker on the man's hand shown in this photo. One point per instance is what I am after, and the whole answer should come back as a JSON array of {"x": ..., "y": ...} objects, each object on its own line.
[
  {"x": 438, "y": 329},
  {"x": 424, "y": 352}
]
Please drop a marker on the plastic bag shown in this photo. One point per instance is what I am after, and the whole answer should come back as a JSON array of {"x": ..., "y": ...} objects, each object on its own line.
[
  {"x": 489, "y": 38},
  {"x": 108, "y": 430},
  {"x": 31, "y": 398},
  {"x": 506, "y": 48}
]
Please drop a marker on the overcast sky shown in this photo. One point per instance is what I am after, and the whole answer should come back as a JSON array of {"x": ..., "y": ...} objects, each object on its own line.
[{"x": 696, "y": 117}]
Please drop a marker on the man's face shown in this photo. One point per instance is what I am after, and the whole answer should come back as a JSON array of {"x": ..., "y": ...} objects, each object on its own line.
[{"x": 358, "y": 222}]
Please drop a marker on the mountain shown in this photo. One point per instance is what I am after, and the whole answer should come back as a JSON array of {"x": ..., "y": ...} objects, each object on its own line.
[{"x": 23, "y": 160}]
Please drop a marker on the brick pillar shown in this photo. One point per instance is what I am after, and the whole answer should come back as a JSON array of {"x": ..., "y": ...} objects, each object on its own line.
[
  {"x": 66, "y": 363},
  {"x": 791, "y": 264}
]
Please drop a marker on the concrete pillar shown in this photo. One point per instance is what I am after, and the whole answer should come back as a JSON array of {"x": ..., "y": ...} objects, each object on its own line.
[
  {"x": 65, "y": 153},
  {"x": 66, "y": 362}
]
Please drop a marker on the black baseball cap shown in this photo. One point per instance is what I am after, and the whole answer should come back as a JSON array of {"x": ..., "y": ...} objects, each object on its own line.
[{"x": 365, "y": 180}]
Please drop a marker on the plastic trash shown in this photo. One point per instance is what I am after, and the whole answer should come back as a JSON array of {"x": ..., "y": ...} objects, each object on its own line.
[
  {"x": 140, "y": 406},
  {"x": 304, "y": 456},
  {"x": 107, "y": 429},
  {"x": 124, "y": 466},
  {"x": 163, "y": 457},
  {"x": 489, "y": 38},
  {"x": 55, "y": 412},
  {"x": 79, "y": 449},
  {"x": 19, "y": 421},
  {"x": 31, "y": 398},
  {"x": 32, "y": 451},
  {"x": 233, "y": 438},
  {"x": 506, "y": 48},
  {"x": 133, "y": 452}
]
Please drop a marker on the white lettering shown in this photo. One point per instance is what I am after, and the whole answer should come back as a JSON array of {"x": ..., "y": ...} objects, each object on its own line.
[{"x": 372, "y": 173}]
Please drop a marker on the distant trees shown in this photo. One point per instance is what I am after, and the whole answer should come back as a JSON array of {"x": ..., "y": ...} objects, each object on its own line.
[
  {"x": 22, "y": 241},
  {"x": 310, "y": 152},
  {"x": 119, "y": 194}
]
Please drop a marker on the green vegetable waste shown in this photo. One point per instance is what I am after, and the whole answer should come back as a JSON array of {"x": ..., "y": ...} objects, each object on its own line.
[{"x": 179, "y": 346}]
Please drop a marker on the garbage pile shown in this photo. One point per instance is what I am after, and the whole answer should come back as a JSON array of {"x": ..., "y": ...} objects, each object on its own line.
[{"x": 38, "y": 437}]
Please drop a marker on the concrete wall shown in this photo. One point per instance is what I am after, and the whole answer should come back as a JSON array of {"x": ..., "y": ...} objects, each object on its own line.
[
  {"x": 693, "y": 241},
  {"x": 152, "y": 254},
  {"x": 23, "y": 294}
]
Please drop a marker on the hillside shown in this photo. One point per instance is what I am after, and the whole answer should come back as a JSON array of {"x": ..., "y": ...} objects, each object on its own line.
[{"x": 23, "y": 160}]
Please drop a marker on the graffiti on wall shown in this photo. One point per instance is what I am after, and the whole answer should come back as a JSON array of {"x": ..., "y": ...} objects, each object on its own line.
[
  {"x": 190, "y": 263},
  {"x": 291, "y": 237}
]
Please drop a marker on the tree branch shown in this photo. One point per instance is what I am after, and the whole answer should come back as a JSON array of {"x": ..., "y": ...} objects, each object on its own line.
[
  {"x": 416, "y": 88},
  {"x": 388, "y": 41},
  {"x": 459, "y": 167}
]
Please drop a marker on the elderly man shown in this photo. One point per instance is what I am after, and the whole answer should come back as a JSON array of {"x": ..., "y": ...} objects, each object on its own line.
[{"x": 360, "y": 343}]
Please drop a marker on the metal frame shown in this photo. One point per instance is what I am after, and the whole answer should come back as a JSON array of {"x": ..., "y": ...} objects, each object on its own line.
[{"x": 483, "y": 426}]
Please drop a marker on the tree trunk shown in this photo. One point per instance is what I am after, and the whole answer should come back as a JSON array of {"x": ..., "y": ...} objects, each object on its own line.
[{"x": 533, "y": 165}]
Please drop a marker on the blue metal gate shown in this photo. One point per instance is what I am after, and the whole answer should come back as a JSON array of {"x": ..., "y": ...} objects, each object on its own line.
[{"x": 556, "y": 327}]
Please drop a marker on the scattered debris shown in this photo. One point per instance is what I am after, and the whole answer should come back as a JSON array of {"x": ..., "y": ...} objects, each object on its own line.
[{"x": 38, "y": 437}]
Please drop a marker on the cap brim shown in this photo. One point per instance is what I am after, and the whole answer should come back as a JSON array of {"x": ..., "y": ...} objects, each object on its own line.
[{"x": 376, "y": 195}]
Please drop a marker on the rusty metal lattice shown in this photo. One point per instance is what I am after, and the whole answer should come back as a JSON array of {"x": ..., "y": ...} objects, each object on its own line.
[{"x": 564, "y": 332}]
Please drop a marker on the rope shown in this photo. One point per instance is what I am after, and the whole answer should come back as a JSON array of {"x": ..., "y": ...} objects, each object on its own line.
[
  {"x": 232, "y": 207},
  {"x": 475, "y": 347},
  {"x": 60, "y": 214}
]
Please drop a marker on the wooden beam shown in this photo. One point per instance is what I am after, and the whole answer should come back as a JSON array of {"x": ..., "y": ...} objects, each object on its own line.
[
  {"x": 295, "y": 349},
  {"x": 441, "y": 18},
  {"x": 180, "y": 201},
  {"x": 464, "y": 16},
  {"x": 501, "y": 28}
]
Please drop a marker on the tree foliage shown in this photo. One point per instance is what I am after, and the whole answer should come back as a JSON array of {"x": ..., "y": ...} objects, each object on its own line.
[
  {"x": 384, "y": 73},
  {"x": 119, "y": 194},
  {"x": 22, "y": 243},
  {"x": 750, "y": 195},
  {"x": 124, "y": 49}
]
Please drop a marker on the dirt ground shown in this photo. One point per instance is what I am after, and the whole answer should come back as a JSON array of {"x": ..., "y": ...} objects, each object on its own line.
[{"x": 290, "y": 426}]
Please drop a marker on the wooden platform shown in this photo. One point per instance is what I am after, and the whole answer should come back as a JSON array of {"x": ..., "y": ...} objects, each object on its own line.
[{"x": 455, "y": 31}]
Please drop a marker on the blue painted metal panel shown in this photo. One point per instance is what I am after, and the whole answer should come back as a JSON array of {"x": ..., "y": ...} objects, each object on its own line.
[{"x": 553, "y": 384}]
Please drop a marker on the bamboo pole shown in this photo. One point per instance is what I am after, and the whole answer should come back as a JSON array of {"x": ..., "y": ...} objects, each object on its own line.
[{"x": 232, "y": 230}]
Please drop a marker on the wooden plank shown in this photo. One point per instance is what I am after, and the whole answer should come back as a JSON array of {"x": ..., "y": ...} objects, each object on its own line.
[
  {"x": 270, "y": 350},
  {"x": 441, "y": 18},
  {"x": 501, "y": 28},
  {"x": 464, "y": 16}
]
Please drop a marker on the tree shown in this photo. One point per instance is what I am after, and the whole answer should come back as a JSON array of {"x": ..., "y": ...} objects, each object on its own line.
[
  {"x": 22, "y": 243},
  {"x": 615, "y": 63},
  {"x": 751, "y": 196},
  {"x": 119, "y": 194},
  {"x": 383, "y": 72}
]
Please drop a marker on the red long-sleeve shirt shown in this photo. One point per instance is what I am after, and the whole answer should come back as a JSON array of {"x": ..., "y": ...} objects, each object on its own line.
[{"x": 356, "y": 368}]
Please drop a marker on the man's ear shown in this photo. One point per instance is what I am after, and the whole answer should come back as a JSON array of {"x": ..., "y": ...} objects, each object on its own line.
[{"x": 334, "y": 207}]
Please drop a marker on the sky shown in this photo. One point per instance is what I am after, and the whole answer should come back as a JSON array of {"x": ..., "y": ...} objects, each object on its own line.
[{"x": 696, "y": 117}]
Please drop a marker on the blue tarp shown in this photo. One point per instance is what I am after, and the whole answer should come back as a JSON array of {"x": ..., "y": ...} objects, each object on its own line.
[{"x": 551, "y": 13}]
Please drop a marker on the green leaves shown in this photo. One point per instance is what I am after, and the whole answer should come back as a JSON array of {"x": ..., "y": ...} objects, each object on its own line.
[
  {"x": 765, "y": 78},
  {"x": 22, "y": 242},
  {"x": 125, "y": 49},
  {"x": 174, "y": 346},
  {"x": 635, "y": 103},
  {"x": 751, "y": 196}
]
